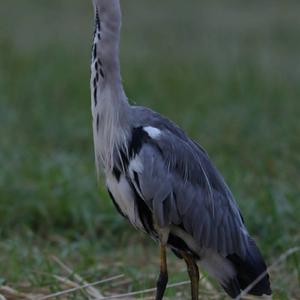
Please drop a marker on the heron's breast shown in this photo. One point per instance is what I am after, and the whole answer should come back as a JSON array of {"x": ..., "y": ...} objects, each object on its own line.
[{"x": 124, "y": 197}]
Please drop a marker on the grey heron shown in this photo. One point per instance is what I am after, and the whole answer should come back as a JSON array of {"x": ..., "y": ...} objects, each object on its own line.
[{"x": 162, "y": 181}]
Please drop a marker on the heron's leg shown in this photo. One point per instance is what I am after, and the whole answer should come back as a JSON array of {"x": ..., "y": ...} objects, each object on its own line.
[
  {"x": 193, "y": 274},
  {"x": 163, "y": 275}
]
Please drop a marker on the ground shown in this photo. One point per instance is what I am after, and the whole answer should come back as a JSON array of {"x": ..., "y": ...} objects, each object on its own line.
[{"x": 226, "y": 71}]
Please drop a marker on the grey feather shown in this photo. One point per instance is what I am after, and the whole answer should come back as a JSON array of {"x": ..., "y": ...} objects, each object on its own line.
[{"x": 179, "y": 182}]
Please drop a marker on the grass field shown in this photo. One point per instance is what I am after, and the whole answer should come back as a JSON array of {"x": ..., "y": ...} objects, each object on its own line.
[{"x": 226, "y": 71}]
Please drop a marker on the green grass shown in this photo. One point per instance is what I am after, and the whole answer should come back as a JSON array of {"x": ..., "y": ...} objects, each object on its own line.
[{"x": 227, "y": 72}]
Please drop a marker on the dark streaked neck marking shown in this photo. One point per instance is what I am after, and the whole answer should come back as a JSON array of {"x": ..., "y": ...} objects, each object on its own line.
[
  {"x": 109, "y": 105},
  {"x": 97, "y": 67},
  {"x": 97, "y": 23}
]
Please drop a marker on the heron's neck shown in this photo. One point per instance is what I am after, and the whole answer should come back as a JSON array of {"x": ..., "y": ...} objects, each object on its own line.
[
  {"x": 110, "y": 107},
  {"x": 105, "y": 53}
]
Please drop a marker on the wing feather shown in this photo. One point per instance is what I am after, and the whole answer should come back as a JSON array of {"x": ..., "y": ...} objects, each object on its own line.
[{"x": 180, "y": 185}]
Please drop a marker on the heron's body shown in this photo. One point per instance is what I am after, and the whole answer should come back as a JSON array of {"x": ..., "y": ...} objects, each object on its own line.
[{"x": 162, "y": 181}]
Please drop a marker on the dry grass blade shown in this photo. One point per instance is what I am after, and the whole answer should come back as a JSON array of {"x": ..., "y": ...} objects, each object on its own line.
[
  {"x": 126, "y": 281},
  {"x": 8, "y": 293},
  {"x": 144, "y": 291},
  {"x": 281, "y": 258},
  {"x": 67, "y": 283},
  {"x": 94, "y": 293},
  {"x": 84, "y": 286}
]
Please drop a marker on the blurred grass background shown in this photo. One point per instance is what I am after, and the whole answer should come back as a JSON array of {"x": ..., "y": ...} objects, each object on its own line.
[{"x": 226, "y": 71}]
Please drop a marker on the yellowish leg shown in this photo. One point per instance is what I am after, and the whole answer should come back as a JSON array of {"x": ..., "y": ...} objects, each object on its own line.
[
  {"x": 163, "y": 275},
  {"x": 193, "y": 274}
]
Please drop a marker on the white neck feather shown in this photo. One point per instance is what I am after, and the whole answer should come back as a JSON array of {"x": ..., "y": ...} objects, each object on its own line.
[{"x": 110, "y": 107}]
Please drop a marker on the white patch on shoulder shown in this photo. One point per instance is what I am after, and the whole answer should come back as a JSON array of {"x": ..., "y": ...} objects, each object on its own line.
[{"x": 152, "y": 131}]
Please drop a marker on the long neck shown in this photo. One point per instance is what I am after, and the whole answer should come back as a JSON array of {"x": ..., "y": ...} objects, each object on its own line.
[
  {"x": 105, "y": 66},
  {"x": 109, "y": 103}
]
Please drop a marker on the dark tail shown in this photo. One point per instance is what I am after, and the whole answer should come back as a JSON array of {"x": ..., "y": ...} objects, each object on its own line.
[{"x": 248, "y": 269}]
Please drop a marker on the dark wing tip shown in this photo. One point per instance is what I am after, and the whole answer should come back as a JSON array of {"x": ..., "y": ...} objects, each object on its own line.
[
  {"x": 232, "y": 288},
  {"x": 250, "y": 268}
]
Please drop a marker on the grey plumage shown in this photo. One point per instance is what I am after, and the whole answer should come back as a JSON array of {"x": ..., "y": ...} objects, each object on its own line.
[
  {"x": 159, "y": 179},
  {"x": 181, "y": 185}
]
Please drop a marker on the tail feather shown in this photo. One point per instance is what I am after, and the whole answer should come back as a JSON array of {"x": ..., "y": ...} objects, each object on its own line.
[
  {"x": 236, "y": 273},
  {"x": 250, "y": 268},
  {"x": 232, "y": 287}
]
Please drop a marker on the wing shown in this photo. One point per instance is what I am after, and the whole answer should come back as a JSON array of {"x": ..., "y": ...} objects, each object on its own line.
[{"x": 180, "y": 186}]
